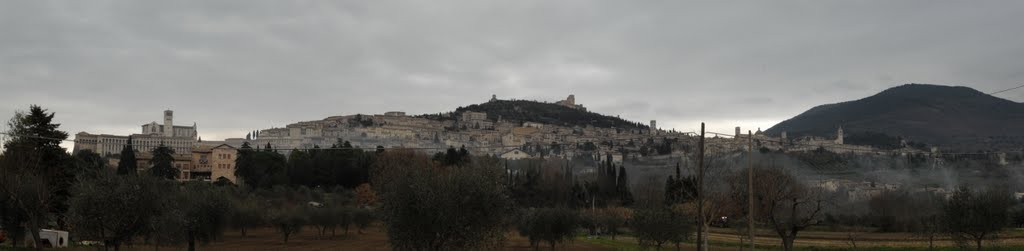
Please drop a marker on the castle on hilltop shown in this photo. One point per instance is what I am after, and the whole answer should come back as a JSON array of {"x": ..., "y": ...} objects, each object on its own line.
[{"x": 571, "y": 103}]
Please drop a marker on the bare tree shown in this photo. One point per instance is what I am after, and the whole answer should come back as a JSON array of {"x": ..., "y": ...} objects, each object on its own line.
[{"x": 782, "y": 201}]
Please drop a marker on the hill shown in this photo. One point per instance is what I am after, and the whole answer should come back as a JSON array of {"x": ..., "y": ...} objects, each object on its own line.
[
  {"x": 953, "y": 117},
  {"x": 547, "y": 113}
]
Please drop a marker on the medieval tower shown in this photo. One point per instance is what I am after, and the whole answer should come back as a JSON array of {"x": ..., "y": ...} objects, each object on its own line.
[{"x": 168, "y": 123}]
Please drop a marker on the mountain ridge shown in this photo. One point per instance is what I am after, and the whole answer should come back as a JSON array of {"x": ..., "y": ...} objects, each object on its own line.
[{"x": 946, "y": 116}]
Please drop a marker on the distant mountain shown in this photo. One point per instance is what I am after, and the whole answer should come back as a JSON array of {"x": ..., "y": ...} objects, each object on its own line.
[
  {"x": 953, "y": 117},
  {"x": 547, "y": 113}
]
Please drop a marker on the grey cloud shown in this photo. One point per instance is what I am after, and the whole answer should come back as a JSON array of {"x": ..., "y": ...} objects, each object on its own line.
[{"x": 234, "y": 66}]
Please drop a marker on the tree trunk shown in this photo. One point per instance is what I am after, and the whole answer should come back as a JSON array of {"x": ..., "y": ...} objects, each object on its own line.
[
  {"x": 191, "y": 241},
  {"x": 243, "y": 232},
  {"x": 787, "y": 243},
  {"x": 978, "y": 241},
  {"x": 34, "y": 229},
  {"x": 286, "y": 237}
]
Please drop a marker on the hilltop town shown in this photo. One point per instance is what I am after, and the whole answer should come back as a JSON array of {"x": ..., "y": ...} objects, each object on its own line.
[{"x": 514, "y": 129}]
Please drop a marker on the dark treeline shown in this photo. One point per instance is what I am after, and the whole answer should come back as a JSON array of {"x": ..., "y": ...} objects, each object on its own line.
[{"x": 339, "y": 165}]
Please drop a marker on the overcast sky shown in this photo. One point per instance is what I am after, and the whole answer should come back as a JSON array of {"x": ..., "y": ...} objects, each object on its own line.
[{"x": 235, "y": 66}]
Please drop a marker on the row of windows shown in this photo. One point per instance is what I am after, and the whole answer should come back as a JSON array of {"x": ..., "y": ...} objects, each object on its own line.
[
  {"x": 224, "y": 156},
  {"x": 224, "y": 166}
]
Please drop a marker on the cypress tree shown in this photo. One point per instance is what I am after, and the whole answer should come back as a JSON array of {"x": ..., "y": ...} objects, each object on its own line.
[
  {"x": 625, "y": 196},
  {"x": 128, "y": 164}
]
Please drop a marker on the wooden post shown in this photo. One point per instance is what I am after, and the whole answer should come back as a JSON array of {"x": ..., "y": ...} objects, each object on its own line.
[
  {"x": 750, "y": 189},
  {"x": 700, "y": 191}
]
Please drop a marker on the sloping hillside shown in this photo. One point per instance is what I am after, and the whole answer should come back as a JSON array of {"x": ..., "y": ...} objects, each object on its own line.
[{"x": 954, "y": 117}]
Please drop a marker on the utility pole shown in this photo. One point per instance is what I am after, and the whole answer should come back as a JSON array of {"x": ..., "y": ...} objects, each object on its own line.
[
  {"x": 750, "y": 188},
  {"x": 700, "y": 191}
]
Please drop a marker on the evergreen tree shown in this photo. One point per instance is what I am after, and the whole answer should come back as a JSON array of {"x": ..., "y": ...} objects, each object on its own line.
[
  {"x": 34, "y": 149},
  {"x": 88, "y": 163},
  {"x": 625, "y": 196},
  {"x": 163, "y": 163},
  {"x": 245, "y": 167},
  {"x": 128, "y": 164}
]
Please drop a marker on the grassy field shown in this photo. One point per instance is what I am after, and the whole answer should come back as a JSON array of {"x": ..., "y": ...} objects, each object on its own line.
[{"x": 374, "y": 238}]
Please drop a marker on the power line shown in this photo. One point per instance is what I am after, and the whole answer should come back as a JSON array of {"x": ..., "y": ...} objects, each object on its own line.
[{"x": 1018, "y": 87}]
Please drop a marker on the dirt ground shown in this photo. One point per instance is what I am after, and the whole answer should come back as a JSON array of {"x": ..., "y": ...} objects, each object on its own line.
[{"x": 372, "y": 239}]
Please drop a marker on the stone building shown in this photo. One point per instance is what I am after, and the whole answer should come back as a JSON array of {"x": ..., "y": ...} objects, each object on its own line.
[{"x": 178, "y": 138}]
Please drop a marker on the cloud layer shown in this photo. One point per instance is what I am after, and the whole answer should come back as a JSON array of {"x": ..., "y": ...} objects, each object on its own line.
[{"x": 234, "y": 66}]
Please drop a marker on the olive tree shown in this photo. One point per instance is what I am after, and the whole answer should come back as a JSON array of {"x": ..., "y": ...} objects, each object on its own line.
[
  {"x": 656, "y": 225},
  {"x": 974, "y": 216},
  {"x": 551, "y": 225},
  {"x": 288, "y": 220},
  {"x": 116, "y": 209}
]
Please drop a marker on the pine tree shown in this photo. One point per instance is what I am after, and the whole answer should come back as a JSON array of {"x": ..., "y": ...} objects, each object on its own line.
[
  {"x": 34, "y": 149},
  {"x": 128, "y": 164}
]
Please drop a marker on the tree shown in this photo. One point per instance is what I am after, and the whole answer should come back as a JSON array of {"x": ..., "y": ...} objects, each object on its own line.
[
  {"x": 247, "y": 214},
  {"x": 656, "y": 225},
  {"x": 788, "y": 205},
  {"x": 300, "y": 167},
  {"x": 116, "y": 209},
  {"x": 260, "y": 169},
  {"x": 365, "y": 195},
  {"x": 205, "y": 211},
  {"x": 245, "y": 166},
  {"x": 974, "y": 216},
  {"x": 128, "y": 165},
  {"x": 326, "y": 217},
  {"x": 163, "y": 163},
  {"x": 288, "y": 220},
  {"x": 432, "y": 207},
  {"x": 613, "y": 218},
  {"x": 622, "y": 187},
  {"x": 552, "y": 225},
  {"x": 28, "y": 194},
  {"x": 362, "y": 218},
  {"x": 88, "y": 164},
  {"x": 34, "y": 149}
]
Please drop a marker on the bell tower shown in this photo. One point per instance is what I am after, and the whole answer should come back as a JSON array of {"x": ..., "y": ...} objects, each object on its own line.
[
  {"x": 169, "y": 123},
  {"x": 839, "y": 136}
]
